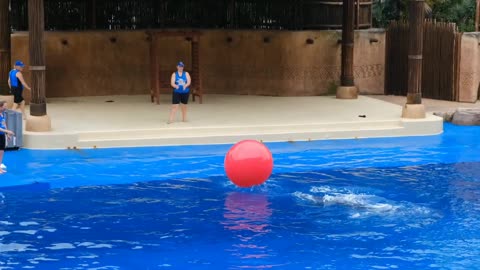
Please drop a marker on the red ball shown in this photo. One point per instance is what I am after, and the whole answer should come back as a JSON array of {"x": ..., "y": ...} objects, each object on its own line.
[{"x": 248, "y": 163}]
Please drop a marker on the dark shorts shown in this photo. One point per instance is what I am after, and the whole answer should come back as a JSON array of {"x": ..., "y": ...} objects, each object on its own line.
[
  {"x": 3, "y": 142},
  {"x": 178, "y": 98},
  {"x": 17, "y": 95}
]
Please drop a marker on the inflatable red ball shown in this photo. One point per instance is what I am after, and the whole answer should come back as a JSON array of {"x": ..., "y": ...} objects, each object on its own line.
[{"x": 248, "y": 163}]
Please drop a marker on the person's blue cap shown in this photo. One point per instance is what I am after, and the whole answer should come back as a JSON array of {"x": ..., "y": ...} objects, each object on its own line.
[
  {"x": 19, "y": 63},
  {"x": 180, "y": 64}
]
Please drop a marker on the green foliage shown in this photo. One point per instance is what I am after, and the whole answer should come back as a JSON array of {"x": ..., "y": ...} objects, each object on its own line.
[
  {"x": 332, "y": 88},
  {"x": 461, "y": 12},
  {"x": 389, "y": 10}
]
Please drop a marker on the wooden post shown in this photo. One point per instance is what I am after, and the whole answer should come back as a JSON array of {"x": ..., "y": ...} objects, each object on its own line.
[
  {"x": 154, "y": 70},
  {"x": 5, "y": 57},
  {"x": 357, "y": 15},
  {"x": 91, "y": 14},
  {"x": 196, "y": 72},
  {"x": 152, "y": 67},
  {"x": 36, "y": 26},
  {"x": 477, "y": 16},
  {"x": 347, "y": 89},
  {"x": 416, "y": 18},
  {"x": 415, "y": 51}
]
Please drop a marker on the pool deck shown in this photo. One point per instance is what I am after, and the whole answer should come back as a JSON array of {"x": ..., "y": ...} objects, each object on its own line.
[{"x": 129, "y": 121}]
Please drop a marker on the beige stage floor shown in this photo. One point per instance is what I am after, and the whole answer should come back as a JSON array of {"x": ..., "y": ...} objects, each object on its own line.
[
  {"x": 128, "y": 121},
  {"x": 431, "y": 105}
]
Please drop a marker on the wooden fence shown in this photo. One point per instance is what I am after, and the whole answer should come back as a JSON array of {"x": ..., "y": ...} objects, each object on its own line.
[{"x": 441, "y": 56}]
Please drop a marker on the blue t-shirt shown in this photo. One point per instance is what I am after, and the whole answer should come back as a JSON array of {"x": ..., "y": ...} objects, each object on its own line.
[
  {"x": 2, "y": 123},
  {"x": 181, "y": 81},
  {"x": 14, "y": 81}
]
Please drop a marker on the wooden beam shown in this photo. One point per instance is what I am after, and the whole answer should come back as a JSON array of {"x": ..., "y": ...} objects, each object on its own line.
[
  {"x": 348, "y": 33},
  {"x": 36, "y": 26},
  {"x": 416, "y": 18},
  {"x": 5, "y": 54}
]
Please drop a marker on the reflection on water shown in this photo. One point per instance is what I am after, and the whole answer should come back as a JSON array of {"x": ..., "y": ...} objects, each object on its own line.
[
  {"x": 248, "y": 217},
  {"x": 247, "y": 212}
]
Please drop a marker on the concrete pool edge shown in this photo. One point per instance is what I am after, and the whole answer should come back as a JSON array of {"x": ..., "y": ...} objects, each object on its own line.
[{"x": 432, "y": 125}]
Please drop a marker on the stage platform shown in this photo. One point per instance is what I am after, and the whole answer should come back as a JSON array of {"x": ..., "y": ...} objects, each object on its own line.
[{"x": 129, "y": 121}]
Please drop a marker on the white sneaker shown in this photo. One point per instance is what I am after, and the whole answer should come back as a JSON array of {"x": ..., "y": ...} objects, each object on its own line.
[{"x": 3, "y": 167}]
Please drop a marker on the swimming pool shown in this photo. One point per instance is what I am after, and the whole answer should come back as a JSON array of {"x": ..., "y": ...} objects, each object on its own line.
[{"x": 394, "y": 203}]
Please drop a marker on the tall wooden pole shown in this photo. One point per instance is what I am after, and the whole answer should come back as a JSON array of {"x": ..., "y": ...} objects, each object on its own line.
[
  {"x": 347, "y": 43},
  {"x": 477, "y": 16},
  {"x": 416, "y": 18},
  {"x": 5, "y": 56},
  {"x": 91, "y": 15},
  {"x": 154, "y": 69},
  {"x": 347, "y": 89},
  {"x": 38, "y": 106},
  {"x": 415, "y": 51},
  {"x": 196, "y": 71}
]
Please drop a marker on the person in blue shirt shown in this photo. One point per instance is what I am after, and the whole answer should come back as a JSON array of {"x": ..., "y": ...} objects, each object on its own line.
[
  {"x": 16, "y": 82},
  {"x": 180, "y": 81},
  {"x": 4, "y": 132}
]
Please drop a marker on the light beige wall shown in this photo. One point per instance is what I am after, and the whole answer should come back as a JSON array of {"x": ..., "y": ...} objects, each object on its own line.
[
  {"x": 469, "y": 67},
  {"x": 287, "y": 66}
]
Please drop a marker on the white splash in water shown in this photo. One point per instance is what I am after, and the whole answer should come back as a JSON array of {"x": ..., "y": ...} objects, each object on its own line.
[
  {"x": 58, "y": 246},
  {"x": 85, "y": 244},
  {"x": 323, "y": 189},
  {"x": 14, "y": 247},
  {"x": 363, "y": 201},
  {"x": 44, "y": 259},
  {"x": 6, "y": 223},
  {"x": 307, "y": 197},
  {"x": 371, "y": 235},
  {"x": 28, "y": 223},
  {"x": 363, "y": 204},
  {"x": 105, "y": 268},
  {"x": 30, "y": 232},
  {"x": 101, "y": 246},
  {"x": 88, "y": 257}
]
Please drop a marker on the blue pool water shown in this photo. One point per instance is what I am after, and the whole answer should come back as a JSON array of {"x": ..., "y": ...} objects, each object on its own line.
[{"x": 396, "y": 203}]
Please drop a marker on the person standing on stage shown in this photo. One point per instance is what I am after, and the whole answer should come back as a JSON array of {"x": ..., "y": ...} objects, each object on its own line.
[
  {"x": 180, "y": 81},
  {"x": 16, "y": 82}
]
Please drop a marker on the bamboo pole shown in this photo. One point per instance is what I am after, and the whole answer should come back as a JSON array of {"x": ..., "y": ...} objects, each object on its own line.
[
  {"x": 36, "y": 26},
  {"x": 415, "y": 52},
  {"x": 5, "y": 54}
]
